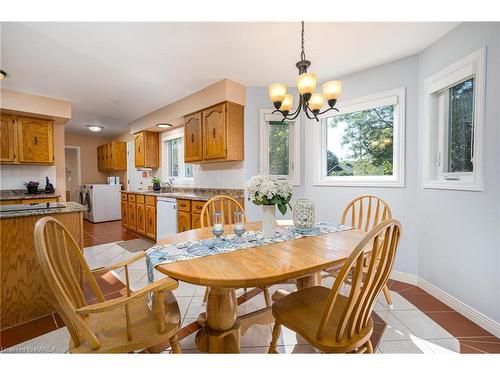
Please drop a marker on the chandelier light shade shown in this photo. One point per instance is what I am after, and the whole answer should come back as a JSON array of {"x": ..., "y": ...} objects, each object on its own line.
[
  {"x": 310, "y": 101},
  {"x": 277, "y": 92}
]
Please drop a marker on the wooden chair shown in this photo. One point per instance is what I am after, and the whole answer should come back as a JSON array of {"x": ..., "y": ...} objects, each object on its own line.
[
  {"x": 226, "y": 205},
  {"x": 124, "y": 324},
  {"x": 364, "y": 213},
  {"x": 330, "y": 321}
]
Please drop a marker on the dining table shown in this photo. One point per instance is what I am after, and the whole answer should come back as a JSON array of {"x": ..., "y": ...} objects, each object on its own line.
[{"x": 299, "y": 260}]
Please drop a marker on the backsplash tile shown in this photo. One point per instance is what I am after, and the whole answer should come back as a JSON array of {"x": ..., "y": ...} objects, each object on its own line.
[{"x": 13, "y": 176}]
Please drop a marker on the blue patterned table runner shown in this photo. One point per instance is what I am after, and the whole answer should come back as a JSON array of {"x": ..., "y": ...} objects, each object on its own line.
[{"x": 169, "y": 253}]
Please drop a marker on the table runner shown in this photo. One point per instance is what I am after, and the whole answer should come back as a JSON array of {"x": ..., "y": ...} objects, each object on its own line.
[{"x": 168, "y": 253}]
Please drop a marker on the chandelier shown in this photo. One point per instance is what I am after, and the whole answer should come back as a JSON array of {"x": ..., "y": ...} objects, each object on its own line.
[{"x": 309, "y": 101}]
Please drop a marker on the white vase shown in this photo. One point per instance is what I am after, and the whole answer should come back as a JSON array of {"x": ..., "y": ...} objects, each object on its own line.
[{"x": 268, "y": 220}]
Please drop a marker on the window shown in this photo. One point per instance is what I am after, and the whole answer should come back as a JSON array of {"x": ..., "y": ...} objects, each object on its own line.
[
  {"x": 173, "y": 157},
  {"x": 280, "y": 147},
  {"x": 363, "y": 144},
  {"x": 452, "y": 128}
]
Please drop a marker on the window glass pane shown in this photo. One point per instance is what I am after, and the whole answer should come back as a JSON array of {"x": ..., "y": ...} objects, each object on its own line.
[
  {"x": 461, "y": 127},
  {"x": 279, "y": 147},
  {"x": 360, "y": 143},
  {"x": 173, "y": 157}
]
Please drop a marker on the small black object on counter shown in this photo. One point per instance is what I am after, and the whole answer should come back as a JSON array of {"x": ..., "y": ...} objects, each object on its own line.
[{"x": 49, "y": 188}]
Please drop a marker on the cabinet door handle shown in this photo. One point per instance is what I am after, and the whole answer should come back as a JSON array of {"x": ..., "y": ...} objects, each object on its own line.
[
  {"x": 192, "y": 138},
  {"x": 213, "y": 132},
  {"x": 36, "y": 140}
]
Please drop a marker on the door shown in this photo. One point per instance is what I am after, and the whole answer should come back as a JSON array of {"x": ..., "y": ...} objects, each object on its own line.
[
  {"x": 139, "y": 150},
  {"x": 192, "y": 138},
  {"x": 73, "y": 179},
  {"x": 214, "y": 136},
  {"x": 7, "y": 139},
  {"x": 35, "y": 140},
  {"x": 183, "y": 221},
  {"x": 151, "y": 222},
  {"x": 134, "y": 179},
  {"x": 132, "y": 218},
  {"x": 141, "y": 219},
  {"x": 125, "y": 213}
]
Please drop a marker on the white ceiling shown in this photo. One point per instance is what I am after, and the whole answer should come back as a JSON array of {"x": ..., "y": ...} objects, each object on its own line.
[{"x": 114, "y": 73}]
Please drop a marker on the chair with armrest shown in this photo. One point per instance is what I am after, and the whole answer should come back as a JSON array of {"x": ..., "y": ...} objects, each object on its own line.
[{"x": 120, "y": 325}]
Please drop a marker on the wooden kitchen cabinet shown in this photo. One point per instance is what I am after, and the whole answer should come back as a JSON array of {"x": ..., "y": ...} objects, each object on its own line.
[
  {"x": 132, "y": 216},
  {"x": 8, "y": 139},
  {"x": 221, "y": 128},
  {"x": 183, "y": 221},
  {"x": 151, "y": 222},
  {"x": 141, "y": 219},
  {"x": 125, "y": 213},
  {"x": 193, "y": 147},
  {"x": 195, "y": 221},
  {"x": 147, "y": 149},
  {"x": 112, "y": 156},
  {"x": 35, "y": 140},
  {"x": 26, "y": 140}
]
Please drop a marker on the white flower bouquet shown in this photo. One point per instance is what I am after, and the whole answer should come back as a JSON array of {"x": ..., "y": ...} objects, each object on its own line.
[{"x": 265, "y": 190}]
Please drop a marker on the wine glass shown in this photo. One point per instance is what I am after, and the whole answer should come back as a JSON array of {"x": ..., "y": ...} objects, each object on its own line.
[
  {"x": 239, "y": 226},
  {"x": 218, "y": 227}
]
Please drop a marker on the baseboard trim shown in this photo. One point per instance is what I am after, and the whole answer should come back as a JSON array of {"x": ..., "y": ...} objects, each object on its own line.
[{"x": 469, "y": 312}]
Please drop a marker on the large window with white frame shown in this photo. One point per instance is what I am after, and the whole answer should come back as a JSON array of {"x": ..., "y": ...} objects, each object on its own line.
[
  {"x": 173, "y": 165},
  {"x": 280, "y": 147},
  {"x": 452, "y": 125},
  {"x": 362, "y": 144}
]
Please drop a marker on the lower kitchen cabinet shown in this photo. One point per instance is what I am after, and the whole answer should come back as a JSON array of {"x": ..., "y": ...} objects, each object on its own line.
[
  {"x": 139, "y": 214},
  {"x": 195, "y": 221},
  {"x": 151, "y": 222},
  {"x": 183, "y": 221}
]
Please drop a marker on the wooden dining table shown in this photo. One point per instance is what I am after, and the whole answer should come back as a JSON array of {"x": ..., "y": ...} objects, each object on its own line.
[{"x": 300, "y": 260}]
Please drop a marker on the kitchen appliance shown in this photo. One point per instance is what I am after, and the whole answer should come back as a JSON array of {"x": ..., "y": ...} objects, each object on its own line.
[
  {"x": 102, "y": 202},
  {"x": 166, "y": 220}
]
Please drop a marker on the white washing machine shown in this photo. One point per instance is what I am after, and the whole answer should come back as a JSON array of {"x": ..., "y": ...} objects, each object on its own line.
[{"x": 102, "y": 202}]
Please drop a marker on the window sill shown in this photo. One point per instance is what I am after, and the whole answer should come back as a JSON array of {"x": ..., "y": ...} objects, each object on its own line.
[
  {"x": 390, "y": 183},
  {"x": 452, "y": 185}
]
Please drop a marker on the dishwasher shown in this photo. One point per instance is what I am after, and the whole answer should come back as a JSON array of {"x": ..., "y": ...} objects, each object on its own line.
[{"x": 166, "y": 217}]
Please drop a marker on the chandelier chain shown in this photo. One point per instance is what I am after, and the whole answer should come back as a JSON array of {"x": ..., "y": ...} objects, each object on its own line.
[{"x": 302, "y": 54}]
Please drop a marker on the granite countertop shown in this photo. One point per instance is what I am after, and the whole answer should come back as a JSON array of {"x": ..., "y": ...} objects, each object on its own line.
[
  {"x": 55, "y": 208},
  {"x": 16, "y": 195},
  {"x": 177, "y": 194}
]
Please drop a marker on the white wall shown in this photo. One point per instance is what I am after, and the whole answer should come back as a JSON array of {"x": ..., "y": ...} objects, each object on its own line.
[
  {"x": 13, "y": 176},
  {"x": 458, "y": 231}
]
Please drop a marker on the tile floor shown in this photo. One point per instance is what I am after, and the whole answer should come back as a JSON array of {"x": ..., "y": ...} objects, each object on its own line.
[{"x": 417, "y": 323}]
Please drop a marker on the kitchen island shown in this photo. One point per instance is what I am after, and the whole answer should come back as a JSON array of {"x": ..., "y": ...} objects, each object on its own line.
[{"x": 24, "y": 294}]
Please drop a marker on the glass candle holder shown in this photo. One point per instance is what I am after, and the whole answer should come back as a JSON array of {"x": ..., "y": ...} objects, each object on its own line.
[
  {"x": 218, "y": 225},
  {"x": 303, "y": 214},
  {"x": 239, "y": 226}
]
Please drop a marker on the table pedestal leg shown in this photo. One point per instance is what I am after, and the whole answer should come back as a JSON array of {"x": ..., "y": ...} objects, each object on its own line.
[{"x": 220, "y": 332}]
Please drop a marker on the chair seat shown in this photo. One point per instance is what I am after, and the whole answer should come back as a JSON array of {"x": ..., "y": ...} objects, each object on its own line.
[
  {"x": 110, "y": 327},
  {"x": 301, "y": 312}
]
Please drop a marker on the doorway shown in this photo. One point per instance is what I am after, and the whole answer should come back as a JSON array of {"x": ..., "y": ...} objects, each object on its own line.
[
  {"x": 73, "y": 172},
  {"x": 134, "y": 177}
]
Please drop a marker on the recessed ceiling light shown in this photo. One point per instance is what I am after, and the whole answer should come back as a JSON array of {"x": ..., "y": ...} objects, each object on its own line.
[
  {"x": 164, "y": 125},
  {"x": 95, "y": 128},
  {"x": 3, "y": 74}
]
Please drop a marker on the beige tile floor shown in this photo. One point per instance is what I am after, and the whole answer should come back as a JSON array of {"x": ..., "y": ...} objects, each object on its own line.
[{"x": 408, "y": 330}]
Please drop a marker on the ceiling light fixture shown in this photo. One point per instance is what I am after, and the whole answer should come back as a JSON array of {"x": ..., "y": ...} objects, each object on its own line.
[
  {"x": 164, "y": 125},
  {"x": 3, "y": 74},
  {"x": 309, "y": 101},
  {"x": 95, "y": 128}
]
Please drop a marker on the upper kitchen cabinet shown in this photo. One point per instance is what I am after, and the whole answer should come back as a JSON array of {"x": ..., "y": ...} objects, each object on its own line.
[
  {"x": 220, "y": 131},
  {"x": 27, "y": 140},
  {"x": 193, "y": 146},
  {"x": 147, "y": 149},
  {"x": 112, "y": 156},
  {"x": 7, "y": 139}
]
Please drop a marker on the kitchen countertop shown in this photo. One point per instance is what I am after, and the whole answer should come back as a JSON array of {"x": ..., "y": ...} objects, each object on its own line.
[
  {"x": 15, "y": 195},
  {"x": 20, "y": 212},
  {"x": 174, "y": 195}
]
